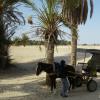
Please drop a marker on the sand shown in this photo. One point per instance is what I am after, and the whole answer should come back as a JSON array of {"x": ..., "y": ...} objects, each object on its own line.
[{"x": 21, "y": 83}]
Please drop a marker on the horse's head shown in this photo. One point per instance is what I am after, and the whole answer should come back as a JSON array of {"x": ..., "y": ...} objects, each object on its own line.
[{"x": 39, "y": 68}]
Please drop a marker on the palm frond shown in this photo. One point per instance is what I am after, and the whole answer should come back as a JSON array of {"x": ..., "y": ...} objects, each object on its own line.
[
  {"x": 91, "y": 4},
  {"x": 76, "y": 11},
  {"x": 49, "y": 20}
]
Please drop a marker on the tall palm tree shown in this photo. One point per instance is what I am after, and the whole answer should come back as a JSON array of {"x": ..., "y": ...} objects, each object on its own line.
[
  {"x": 75, "y": 12},
  {"x": 10, "y": 17},
  {"x": 48, "y": 28}
]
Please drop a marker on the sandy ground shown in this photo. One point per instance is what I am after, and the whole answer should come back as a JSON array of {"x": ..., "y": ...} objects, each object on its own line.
[{"x": 21, "y": 83}]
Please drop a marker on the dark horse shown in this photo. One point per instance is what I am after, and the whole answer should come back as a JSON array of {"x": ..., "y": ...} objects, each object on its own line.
[{"x": 49, "y": 68}]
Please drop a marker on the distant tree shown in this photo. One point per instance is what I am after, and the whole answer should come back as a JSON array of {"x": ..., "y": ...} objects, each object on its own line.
[
  {"x": 84, "y": 44},
  {"x": 16, "y": 41},
  {"x": 25, "y": 39},
  {"x": 35, "y": 42},
  {"x": 64, "y": 42}
]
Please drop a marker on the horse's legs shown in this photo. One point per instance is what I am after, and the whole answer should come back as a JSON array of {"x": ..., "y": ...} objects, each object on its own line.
[
  {"x": 73, "y": 83},
  {"x": 51, "y": 80},
  {"x": 53, "y": 83},
  {"x": 70, "y": 81}
]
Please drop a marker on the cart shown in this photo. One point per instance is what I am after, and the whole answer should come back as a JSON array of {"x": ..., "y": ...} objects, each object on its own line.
[{"x": 89, "y": 69}]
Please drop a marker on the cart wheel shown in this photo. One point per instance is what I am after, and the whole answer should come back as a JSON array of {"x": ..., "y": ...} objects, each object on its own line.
[
  {"x": 92, "y": 85},
  {"x": 78, "y": 81}
]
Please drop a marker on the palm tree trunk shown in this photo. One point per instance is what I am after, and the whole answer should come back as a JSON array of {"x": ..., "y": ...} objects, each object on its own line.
[
  {"x": 74, "y": 47},
  {"x": 50, "y": 52},
  {"x": 3, "y": 45},
  {"x": 49, "y": 56}
]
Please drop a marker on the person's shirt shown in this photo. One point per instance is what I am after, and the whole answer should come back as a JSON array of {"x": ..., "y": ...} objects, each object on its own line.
[{"x": 62, "y": 73}]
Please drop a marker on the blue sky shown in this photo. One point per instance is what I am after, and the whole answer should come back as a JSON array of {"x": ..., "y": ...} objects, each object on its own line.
[{"x": 88, "y": 33}]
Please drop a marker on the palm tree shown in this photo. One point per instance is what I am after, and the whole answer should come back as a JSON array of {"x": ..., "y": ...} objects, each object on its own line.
[
  {"x": 75, "y": 12},
  {"x": 48, "y": 28},
  {"x": 10, "y": 17}
]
